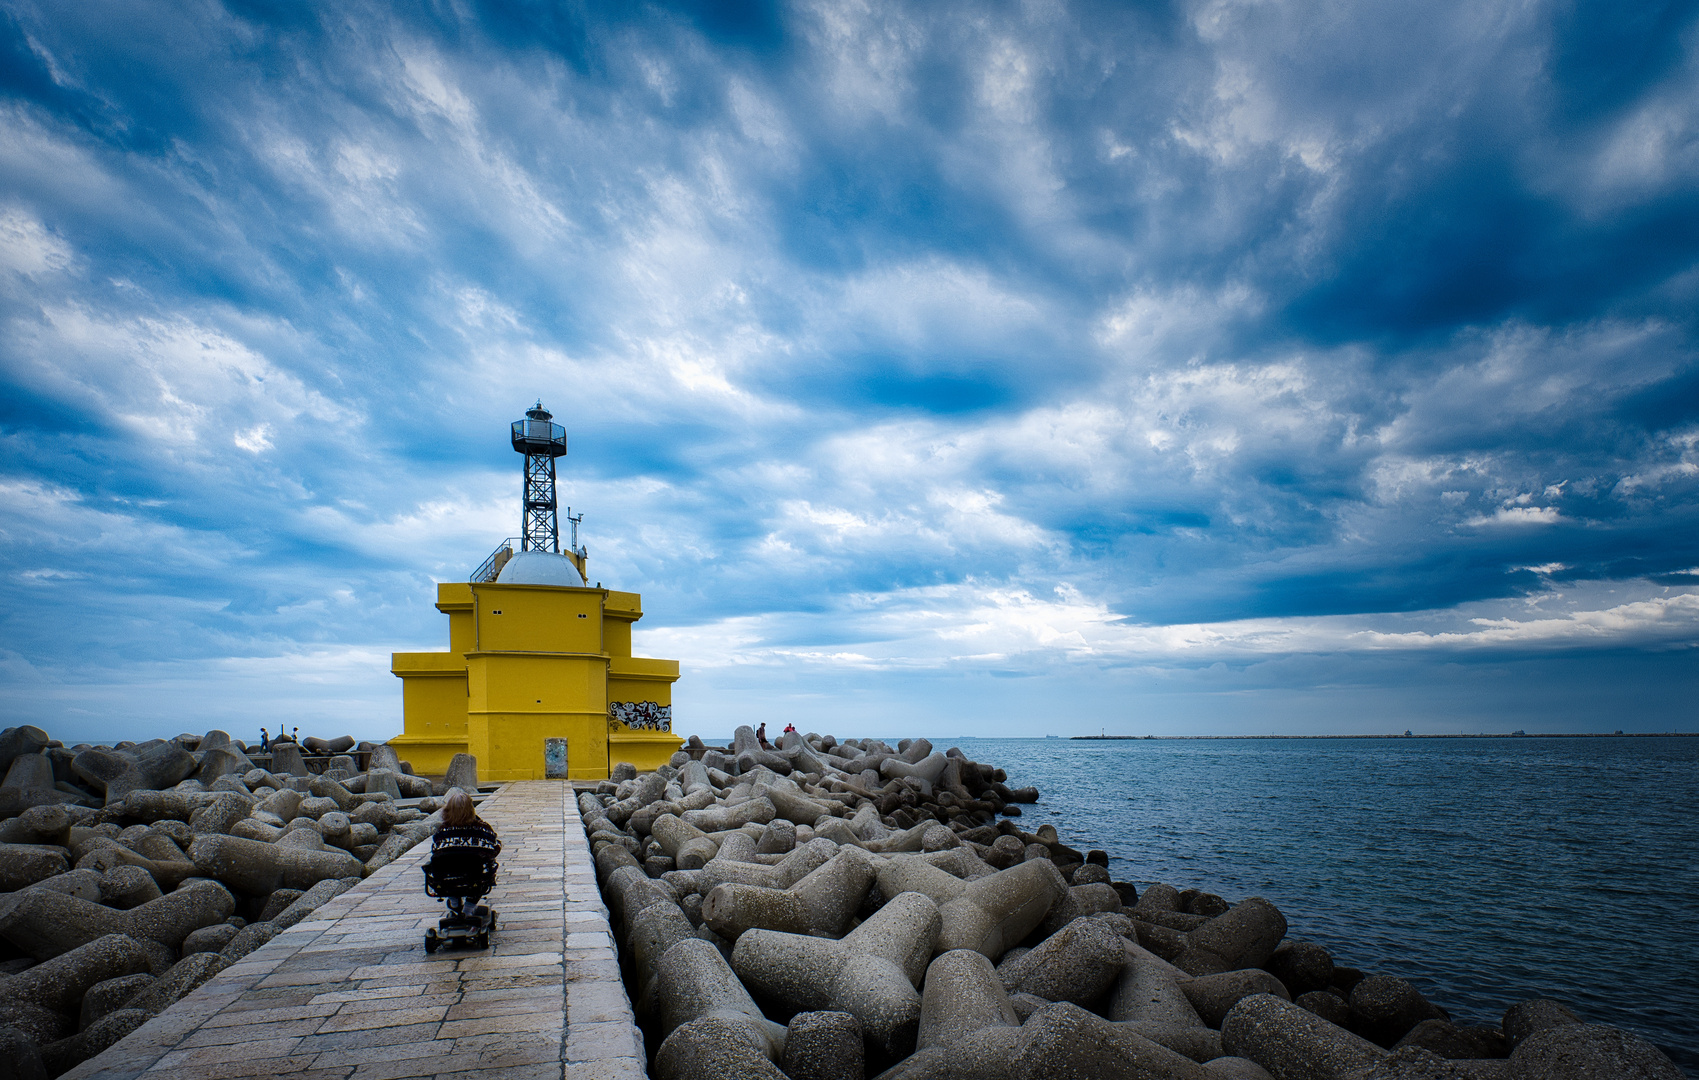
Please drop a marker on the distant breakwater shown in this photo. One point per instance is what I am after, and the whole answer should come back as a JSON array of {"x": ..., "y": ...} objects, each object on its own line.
[
  {"x": 827, "y": 909},
  {"x": 1430, "y": 735}
]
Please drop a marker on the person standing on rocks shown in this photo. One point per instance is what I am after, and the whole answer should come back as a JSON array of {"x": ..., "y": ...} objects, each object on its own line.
[
  {"x": 265, "y": 741},
  {"x": 464, "y": 831},
  {"x": 761, "y": 736}
]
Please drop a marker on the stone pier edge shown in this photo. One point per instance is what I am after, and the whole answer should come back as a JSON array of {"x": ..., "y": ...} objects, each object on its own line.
[{"x": 599, "y": 1036}]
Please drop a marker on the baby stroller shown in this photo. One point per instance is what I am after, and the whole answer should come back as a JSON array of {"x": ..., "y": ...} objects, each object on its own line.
[{"x": 461, "y": 877}]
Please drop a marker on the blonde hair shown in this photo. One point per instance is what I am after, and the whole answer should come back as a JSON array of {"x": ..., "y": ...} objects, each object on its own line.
[{"x": 457, "y": 811}]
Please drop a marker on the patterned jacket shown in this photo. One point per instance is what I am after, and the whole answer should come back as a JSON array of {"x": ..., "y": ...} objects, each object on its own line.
[{"x": 477, "y": 837}]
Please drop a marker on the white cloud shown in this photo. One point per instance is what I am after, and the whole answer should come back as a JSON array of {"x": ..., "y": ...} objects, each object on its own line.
[
  {"x": 256, "y": 439},
  {"x": 1518, "y": 515},
  {"x": 175, "y": 383},
  {"x": 27, "y": 248},
  {"x": 975, "y": 624}
]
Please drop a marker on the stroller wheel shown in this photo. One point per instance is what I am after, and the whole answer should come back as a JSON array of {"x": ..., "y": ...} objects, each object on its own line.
[
  {"x": 483, "y": 940},
  {"x": 431, "y": 941}
]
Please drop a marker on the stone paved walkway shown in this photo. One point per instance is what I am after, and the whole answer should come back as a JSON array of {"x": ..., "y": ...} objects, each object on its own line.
[{"x": 352, "y": 995}]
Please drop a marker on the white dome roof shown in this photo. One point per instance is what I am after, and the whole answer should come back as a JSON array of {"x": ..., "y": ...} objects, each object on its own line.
[{"x": 540, "y": 568}]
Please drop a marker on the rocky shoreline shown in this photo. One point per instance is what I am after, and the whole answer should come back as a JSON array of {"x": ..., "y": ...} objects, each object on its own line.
[
  {"x": 829, "y": 910},
  {"x": 131, "y": 874}
]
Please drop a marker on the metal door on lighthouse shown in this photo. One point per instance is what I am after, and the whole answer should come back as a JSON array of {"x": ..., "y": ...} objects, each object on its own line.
[{"x": 554, "y": 759}]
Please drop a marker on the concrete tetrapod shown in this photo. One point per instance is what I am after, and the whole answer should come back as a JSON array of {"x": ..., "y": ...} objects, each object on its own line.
[
  {"x": 628, "y": 891},
  {"x": 1058, "y": 1042},
  {"x": 1079, "y": 900},
  {"x": 821, "y": 904},
  {"x": 777, "y": 838},
  {"x": 1536, "y": 1014},
  {"x": 990, "y": 914},
  {"x": 157, "y": 765},
  {"x": 1588, "y": 1050},
  {"x": 794, "y": 806},
  {"x": 102, "y": 854},
  {"x": 62, "y": 1056},
  {"x": 1078, "y": 963},
  {"x": 25, "y": 739},
  {"x": 789, "y": 870},
  {"x": 870, "y": 974},
  {"x": 963, "y": 994},
  {"x": 824, "y": 1046},
  {"x": 42, "y": 825},
  {"x": 1302, "y": 966},
  {"x": 714, "y": 1048},
  {"x": 1415, "y": 1063},
  {"x": 110, "y": 995},
  {"x": 649, "y": 933},
  {"x": 969, "y": 1029},
  {"x": 1214, "y": 996},
  {"x": 1065, "y": 1042},
  {"x": 22, "y": 865},
  {"x": 1149, "y": 992},
  {"x": 1244, "y": 937},
  {"x": 1384, "y": 1008},
  {"x": 926, "y": 769},
  {"x": 1235, "y": 1068},
  {"x": 718, "y": 818},
  {"x": 45, "y": 923},
  {"x": 61, "y": 983},
  {"x": 1293, "y": 1043},
  {"x": 1450, "y": 1041},
  {"x": 257, "y": 868},
  {"x": 462, "y": 773},
  {"x": 309, "y": 901},
  {"x": 689, "y": 847},
  {"x": 693, "y": 981}
]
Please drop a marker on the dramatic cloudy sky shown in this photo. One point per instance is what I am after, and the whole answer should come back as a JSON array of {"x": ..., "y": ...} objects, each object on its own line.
[{"x": 1226, "y": 366}]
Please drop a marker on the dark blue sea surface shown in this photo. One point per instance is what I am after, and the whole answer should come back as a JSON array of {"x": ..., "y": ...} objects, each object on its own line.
[{"x": 1486, "y": 871}]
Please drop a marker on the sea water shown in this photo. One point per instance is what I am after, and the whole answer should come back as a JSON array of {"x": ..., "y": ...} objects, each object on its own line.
[{"x": 1486, "y": 871}]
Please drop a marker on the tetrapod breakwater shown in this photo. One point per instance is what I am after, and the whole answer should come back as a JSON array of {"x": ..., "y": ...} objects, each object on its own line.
[
  {"x": 133, "y": 873},
  {"x": 828, "y": 910}
]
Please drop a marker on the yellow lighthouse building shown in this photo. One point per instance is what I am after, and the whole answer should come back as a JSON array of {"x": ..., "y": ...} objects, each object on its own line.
[{"x": 538, "y": 680}]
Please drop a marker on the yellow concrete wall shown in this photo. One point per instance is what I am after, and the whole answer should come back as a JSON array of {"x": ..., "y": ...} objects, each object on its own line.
[
  {"x": 528, "y": 663},
  {"x": 513, "y": 682},
  {"x": 433, "y": 703},
  {"x": 648, "y": 750},
  {"x": 616, "y": 636},
  {"x": 537, "y": 618},
  {"x": 454, "y": 599},
  {"x": 512, "y": 744},
  {"x": 641, "y": 679}
]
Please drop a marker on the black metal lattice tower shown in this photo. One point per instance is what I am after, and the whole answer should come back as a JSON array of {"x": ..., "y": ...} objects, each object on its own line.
[{"x": 541, "y": 442}]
